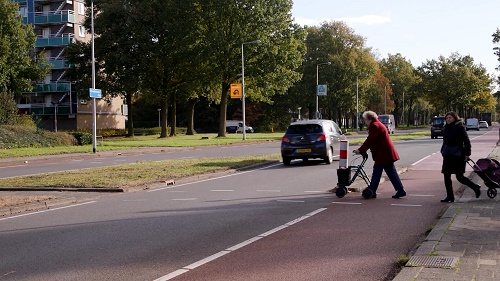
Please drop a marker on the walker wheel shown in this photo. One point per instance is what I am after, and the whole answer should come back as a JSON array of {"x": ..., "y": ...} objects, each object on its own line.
[
  {"x": 367, "y": 193},
  {"x": 492, "y": 193},
  {"x": 341, "y": 191}
]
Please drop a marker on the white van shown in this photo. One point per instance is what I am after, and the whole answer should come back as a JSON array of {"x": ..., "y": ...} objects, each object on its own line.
[
  {"x": 472, "y": 124},
  {"x": 388, "y": 121},
  {"x": 236, "y": 126}
]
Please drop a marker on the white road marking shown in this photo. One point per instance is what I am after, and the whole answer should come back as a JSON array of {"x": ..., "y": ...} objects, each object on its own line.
[
  {"x": 221, "y": 177},
  {"x": 135, "y": 200},
  {"x": 268, "y": 190},
  {"x": 178, "y": 191},
  {"x": 406, "y": 205},
  {"x": 185, "y": 199},
  {"x": 13, "y": 166},
  {"x": 222, "y": 190},
  {"x": 49, "y": 210},
  {"x": 235, "y": 247},
  {"x": 291, "y": 201},
  {"x": 422, "y": 159},
  {"x": 347, "y": 203},
  {"x": 314, "y": 191}
]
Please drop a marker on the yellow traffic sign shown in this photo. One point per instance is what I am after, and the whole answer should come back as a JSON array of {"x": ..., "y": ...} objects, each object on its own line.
[{"x": 236, "y": 92}]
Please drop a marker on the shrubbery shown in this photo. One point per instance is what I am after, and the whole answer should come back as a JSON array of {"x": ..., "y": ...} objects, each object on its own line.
[
  {"x": 17, "y": 136},
  {"x": 82, "y": 138}
]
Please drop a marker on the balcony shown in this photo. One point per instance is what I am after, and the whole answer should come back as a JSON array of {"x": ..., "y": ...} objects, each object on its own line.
[
  {"x": 53, "y": 17},
  {"x": 48, "y": 109},
  {"x": 55, "y": 41},
  {"x": 52, "y": 87},
  {"x": 58, "y": 64}
]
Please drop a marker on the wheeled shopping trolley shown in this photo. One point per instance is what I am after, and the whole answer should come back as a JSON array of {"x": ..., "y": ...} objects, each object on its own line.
[
  {"x": 345, "y": 179},
  {"x": 488, "y": 170}
]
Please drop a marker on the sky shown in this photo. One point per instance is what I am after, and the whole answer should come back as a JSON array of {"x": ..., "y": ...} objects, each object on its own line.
[{"x": 419, "y": 30}]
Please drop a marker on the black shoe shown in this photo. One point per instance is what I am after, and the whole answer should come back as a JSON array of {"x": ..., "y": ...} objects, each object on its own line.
[
  {"x": 374, "y": 196},
  {"x": 448, "y": 200},
  {"x": 477, "y": 191},
  {"x": 399, "y": 194}
]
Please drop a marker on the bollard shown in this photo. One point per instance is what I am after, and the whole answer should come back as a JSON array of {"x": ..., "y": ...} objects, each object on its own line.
[{"x": 344, "y": 147}]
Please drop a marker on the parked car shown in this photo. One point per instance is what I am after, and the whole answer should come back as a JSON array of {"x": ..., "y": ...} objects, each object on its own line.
[
  {"x": 311, "y": 139},
  {"x": 483, "y": 124},
  {"x": 472, "y": 124},
  {"x": 437, "y": 126}
]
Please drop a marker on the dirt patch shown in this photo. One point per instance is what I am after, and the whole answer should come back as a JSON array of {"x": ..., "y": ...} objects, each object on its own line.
[{"x": 18, "y": 200}]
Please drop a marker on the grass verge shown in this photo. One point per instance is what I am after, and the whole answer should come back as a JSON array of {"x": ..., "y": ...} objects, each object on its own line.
[{"x": 138, "y": 174}]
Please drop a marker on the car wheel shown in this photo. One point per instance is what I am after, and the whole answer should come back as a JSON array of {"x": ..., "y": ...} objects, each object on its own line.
[
  {"x": 329, "y": 156},
  {"x": 286, "y": 161}
]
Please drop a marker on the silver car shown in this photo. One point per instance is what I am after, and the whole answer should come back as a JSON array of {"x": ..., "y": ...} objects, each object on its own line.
[{"x": 311, "y": 139}]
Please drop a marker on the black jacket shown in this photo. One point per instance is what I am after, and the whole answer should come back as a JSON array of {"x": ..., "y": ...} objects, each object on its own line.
[{"x": 455, "y": 135}]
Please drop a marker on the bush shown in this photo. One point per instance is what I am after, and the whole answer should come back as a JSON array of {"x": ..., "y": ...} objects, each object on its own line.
[
  {"x": 82, "y": 138},
  {"x": 15, "y": 136}
]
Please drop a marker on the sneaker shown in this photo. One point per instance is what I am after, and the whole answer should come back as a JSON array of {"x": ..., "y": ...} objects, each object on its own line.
[
  {"x": 399, "y": 194},
  {"x": 477, "y": 191}
]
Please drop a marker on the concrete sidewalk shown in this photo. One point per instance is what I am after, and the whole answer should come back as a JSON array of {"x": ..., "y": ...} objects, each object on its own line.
[{"x": 464, "y": 244}]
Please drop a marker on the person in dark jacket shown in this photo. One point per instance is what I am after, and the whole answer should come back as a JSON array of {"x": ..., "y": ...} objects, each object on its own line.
[
  {"x": 455, "y": 135},
  {"x": 384, "y": 154}
]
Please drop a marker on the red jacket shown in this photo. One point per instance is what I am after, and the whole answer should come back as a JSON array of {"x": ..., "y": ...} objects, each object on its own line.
[{"x": 380, "y": 144}]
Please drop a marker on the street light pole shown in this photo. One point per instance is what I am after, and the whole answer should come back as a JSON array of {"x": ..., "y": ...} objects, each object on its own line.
[
  {"x": 317, "y": 83},
  {"x": 159, "y": 120},
  {"x": 243, "y": 84},
  {"x": 299, "y": 112},
  {"x": 357, "y": 105},
  {"x": 94, "y": 118}
]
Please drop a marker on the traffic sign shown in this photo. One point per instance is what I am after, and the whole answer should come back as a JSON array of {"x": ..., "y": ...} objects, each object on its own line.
[
  {"x": 95, "y": 93},
  {"x": 321, "y": 90},
  {"x": 236, "y": 92}
]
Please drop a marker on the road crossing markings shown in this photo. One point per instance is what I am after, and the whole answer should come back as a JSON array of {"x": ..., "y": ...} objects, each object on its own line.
[
  {"x": 221, "y": 177},
  {"x": 347, "y": 203},
  {"x": 49, "y": 210},
  {"x": 406, "y": 205},
  {"x": 235, "y": 247},
  {"x": 291, "y": 201}
]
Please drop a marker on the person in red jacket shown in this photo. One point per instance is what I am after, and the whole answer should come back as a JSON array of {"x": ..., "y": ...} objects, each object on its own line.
[{"x": 384, "y": 154}]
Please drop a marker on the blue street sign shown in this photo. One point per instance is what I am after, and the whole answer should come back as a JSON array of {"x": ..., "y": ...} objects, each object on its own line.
[
  {"x": 321, "y": 90},
  {"x": 95, "y": 93}
]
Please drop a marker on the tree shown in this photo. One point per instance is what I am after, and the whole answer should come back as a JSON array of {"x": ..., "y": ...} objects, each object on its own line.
[
  {"x": 270, "y": 67},
  {"x": 496, "y": 40},
  {"x": 19, "y": 66}
]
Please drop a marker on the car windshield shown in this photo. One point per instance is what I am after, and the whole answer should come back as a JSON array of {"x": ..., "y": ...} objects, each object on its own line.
[
  {"x": 384, "y": 119},
  {"x": 304, "y": 129},
  {"x": 438, "y": 121}
]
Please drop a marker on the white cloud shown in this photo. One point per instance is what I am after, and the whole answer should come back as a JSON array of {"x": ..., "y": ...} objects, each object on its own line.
[{"x": 369, "y": 20}]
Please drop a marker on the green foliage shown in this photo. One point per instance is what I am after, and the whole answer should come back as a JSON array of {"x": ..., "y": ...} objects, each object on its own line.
[
  {"x": 8, "y": 109},
  {"x": 18, "y": 66},
  {"x": 14, "y": 136},
  {"x": 82, "y": 138}
]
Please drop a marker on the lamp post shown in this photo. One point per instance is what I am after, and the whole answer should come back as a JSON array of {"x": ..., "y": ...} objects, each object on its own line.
[
  {"x": 94, "y": 118},
  {"x": 243, "y": 84},
  {"x": 299, "y": 112},
  {"x": 159, "y": 120},
  {"x": 317, "y": 83}
]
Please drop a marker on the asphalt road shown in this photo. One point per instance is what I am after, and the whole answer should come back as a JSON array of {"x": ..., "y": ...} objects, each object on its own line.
[{"x": 151, "y": 234}]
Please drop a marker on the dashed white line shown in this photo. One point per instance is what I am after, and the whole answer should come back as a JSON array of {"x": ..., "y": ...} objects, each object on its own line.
[
  {"x": 222, "y": 190},
  {"x": 291, "y": 201},
  {"x": 268, "y": 190},
  {"x": 347, "y": 203},
  {"x": 235, "y": 247},
  {"x": 184, "y": 199},
  {"x": 406, "y": 205},
  {"x": 423, "y": 159}
]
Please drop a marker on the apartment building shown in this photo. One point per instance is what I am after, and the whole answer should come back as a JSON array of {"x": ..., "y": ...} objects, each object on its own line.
[{"x": 57, "y": 23}]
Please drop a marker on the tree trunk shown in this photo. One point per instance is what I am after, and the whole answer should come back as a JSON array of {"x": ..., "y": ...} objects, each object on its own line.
[
  {"x": 174, "y": 113},
  {"x": 190, "y": 125},
  {"x": 223, "y": 111},
  {"x": 163, "y": 116},
  {"x": 130, "y": 122}
]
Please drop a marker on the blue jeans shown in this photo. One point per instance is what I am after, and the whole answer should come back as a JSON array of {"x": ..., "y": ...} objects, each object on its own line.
[{"x": 391, "y": 172}]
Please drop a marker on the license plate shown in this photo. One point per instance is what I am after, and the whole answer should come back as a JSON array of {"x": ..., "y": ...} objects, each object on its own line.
[{"x": 303, "y": 150}]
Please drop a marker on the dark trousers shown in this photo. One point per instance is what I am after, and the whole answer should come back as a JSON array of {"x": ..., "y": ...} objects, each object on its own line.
[
  {"x": 462, "y": 179},
  {"x": 391, "y": 172}
]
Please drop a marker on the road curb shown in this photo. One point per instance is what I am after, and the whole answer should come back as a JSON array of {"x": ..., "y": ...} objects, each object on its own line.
[{"x": 44, "y": 205}]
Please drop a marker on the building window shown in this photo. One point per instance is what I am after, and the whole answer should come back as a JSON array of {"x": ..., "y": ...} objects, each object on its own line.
[
  {"x": 81, "y": 9},
  {"x": 81, "y": 31}
]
